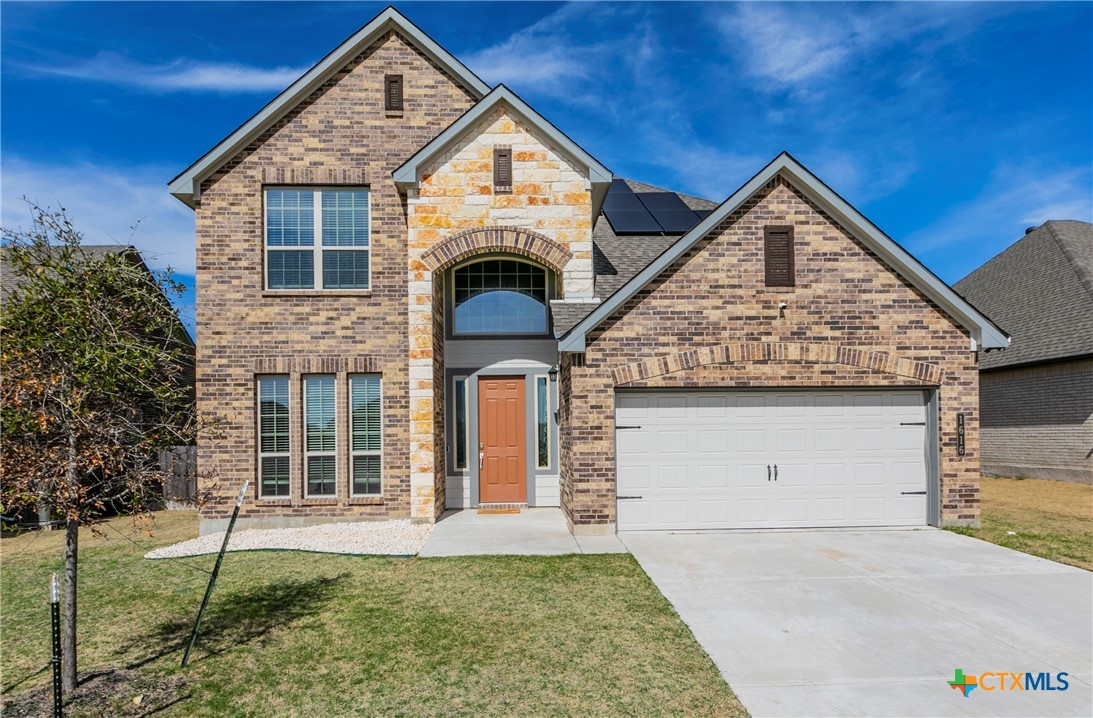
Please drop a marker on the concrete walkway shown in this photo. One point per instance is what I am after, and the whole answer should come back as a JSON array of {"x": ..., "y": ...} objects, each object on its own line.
[
  {"x": 853, "y": 623},
  {"x": 533, "y": 532}
]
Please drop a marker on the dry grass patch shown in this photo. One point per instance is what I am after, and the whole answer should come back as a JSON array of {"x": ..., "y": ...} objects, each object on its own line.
[
  {"x": 304, "y": 634},
  {"x": 1052, "y": 519}
]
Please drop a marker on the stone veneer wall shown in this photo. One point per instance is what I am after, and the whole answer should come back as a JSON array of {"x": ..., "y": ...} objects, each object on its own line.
[
  {"x": 341, "y": 135},
  {"x": 549, "y": 195},
  {"x": 715, "y": 295}
]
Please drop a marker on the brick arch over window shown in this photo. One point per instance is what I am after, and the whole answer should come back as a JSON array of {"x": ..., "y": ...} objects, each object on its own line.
[
  {"x": 485, "y": 240},
  {"x": 778, "y": 351}
]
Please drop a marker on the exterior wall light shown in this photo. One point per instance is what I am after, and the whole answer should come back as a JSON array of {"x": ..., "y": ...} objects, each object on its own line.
[{"x": 553, "y": 374}]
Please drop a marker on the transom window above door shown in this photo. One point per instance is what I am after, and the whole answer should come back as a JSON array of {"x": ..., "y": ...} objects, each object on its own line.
[
  {"x": 338, "y": 218},
  {"x": 500, "y": 296}
]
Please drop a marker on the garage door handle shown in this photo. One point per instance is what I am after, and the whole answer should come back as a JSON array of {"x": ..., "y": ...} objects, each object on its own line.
[
  {"x": 915, "y": 493},
  {"x": 912, "y": 423},
  {"x": 776, "y": 472},
  {"x": 627, "y": 427},
  {"x": 768, "y": 472},
  {"x": 624, "y": 498}
]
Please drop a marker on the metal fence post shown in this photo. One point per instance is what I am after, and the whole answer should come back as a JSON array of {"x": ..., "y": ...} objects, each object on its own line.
[
  {"x": 216, "y": 570},
  {"x": 55, "y": 614}
]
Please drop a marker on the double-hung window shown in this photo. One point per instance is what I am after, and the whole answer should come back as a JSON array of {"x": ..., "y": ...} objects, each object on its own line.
[
  {"x": 320, "y": 436},
  {"x": 273, "y": 437},
  {"x": 366, "y": 426},
  {"x": 317, "y": 238}
]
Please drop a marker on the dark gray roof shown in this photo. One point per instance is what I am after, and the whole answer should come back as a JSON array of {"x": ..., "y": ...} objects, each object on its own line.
[
  {"x": 9, "y": 279},
  {"x": 1040, "y": 291},
  {"x": 615, "y": 259}
]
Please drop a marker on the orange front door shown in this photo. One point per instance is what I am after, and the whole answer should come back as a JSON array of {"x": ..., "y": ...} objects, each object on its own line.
[{"x": 502, "y": 468}]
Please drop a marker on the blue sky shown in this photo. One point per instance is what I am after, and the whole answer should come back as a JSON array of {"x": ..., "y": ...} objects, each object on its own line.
[{"x": 952, "y": 126}]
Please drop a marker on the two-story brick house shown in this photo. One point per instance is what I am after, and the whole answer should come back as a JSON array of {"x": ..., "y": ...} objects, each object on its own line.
[{"x": 416, "y": 293}]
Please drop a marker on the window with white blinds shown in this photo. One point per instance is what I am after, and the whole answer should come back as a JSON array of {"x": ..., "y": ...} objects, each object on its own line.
[
  {"x": 273, "y": 437},
  {"x": 320, "y": 436},
  {"x": 366, "y": 427},
  {"x": 339, "y": 218}
]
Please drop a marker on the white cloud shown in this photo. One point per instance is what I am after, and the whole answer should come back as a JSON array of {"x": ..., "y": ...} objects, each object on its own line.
[
  {"x": 547, "y": 56},
  {"x": 105, "y": 204},
  {"x": 174, "y": 76},
  {"x": 800, "y": 47},
  {"x": 1014, "y": 199}
]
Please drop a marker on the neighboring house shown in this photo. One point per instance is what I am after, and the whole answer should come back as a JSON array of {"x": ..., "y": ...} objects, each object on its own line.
[
  {"x": 1036, "y": 398},
  {"x": 179, "y": 461},
  {"x": 416, "y": 293}
]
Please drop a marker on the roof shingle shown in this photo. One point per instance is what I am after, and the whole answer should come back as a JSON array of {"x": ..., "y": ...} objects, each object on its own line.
[{"x": 1040, "y": 291}]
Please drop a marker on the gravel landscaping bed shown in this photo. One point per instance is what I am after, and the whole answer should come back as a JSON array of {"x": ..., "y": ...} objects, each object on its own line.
[{"x": 386, "y": 538}]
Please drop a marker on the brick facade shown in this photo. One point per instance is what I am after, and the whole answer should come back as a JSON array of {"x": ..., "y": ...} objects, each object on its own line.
[
  {"x": 340, "y": 135},
  {"x": 1038, "y": 421},
  {"x": 850, "y": 322}
]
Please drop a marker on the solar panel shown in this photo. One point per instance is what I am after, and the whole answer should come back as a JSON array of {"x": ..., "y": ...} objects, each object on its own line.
[
  {"x": 627, "y": 201},
  {"x": 675, "y": 221},
  {"x": 668, "y": 201},
  {"x": 703, "y": 213},
  {"x": 632, "y": 221}
]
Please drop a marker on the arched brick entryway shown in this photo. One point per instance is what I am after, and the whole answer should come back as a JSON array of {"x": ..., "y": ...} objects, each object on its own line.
[{"x": 485, "y": 240}]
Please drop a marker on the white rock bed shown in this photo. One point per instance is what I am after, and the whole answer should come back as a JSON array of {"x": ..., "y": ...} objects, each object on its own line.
[{"x": 383, "y": 538}]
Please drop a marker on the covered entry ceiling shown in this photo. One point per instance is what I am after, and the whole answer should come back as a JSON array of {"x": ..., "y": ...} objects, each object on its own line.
[{"x": 744, "y": 459}]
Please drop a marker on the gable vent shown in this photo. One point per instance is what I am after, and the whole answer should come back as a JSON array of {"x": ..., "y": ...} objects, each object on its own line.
[
  {"x": 392, "y": 93},
  {"x": 778, "y": 256},
  {"x": 502, "y": 169}
]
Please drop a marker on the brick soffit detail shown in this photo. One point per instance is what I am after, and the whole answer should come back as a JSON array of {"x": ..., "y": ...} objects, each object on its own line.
[
  {"x": 483, "y": 240},
  {"x": 778, "y": 351}
]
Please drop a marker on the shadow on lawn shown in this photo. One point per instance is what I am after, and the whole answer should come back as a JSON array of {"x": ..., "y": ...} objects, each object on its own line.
[{"x": 234, "y": 619}]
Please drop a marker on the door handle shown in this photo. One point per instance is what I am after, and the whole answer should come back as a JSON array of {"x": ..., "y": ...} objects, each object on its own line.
[
  {"x": 776, "y": 472},
  {"x": 768, "y": 472},
  {"x": 481, "y": 460}
]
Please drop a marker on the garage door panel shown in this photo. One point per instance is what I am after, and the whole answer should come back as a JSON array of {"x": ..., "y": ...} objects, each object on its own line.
[{"x": 700, "y": 460}]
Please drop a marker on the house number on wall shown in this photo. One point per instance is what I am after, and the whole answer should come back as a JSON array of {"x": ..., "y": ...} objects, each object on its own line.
[{"x": 959, "y": 434}]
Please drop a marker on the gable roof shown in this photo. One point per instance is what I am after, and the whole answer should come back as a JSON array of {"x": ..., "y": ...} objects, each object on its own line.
[
  {"x": 1041, "y": 290},
  {"x": 186, "y": 186},
  {"x": 984, "y": 333},
  {"x": 409, "y": 174},
  {"x": 10, "y": 278}
]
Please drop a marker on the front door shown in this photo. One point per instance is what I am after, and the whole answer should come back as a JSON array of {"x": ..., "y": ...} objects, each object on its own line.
[{"x": 502, "y": 466}]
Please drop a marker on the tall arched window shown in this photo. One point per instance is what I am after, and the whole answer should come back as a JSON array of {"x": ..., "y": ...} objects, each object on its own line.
[{"x": 500, "y": 296}]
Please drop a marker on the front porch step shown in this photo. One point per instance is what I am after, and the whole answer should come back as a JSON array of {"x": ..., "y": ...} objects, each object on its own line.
[{"x": 501, "y": 508}]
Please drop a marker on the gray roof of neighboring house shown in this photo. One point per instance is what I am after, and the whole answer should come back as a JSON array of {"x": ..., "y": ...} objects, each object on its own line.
[
  {"x": 616, "y": 259},
  {"x": 9, "y": 278},
  {"x": 1040, "y": 291}
]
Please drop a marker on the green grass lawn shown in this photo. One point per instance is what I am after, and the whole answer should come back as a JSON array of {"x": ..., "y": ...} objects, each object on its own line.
[
  {"x": 1052, "y": 519},
  {"x": 320, "y": 635}
]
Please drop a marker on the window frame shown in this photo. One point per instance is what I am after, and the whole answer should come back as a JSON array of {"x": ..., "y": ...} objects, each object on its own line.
[
  {"x": 546, "y": 439},
  {"x": 308, "y": 454},
  {"x": 353, "y": 453},
  {"x": 317, "y": 247},
  {"x": 287, "y": 454},
  {"x": 551, "y": 278},
  {"x": 456, "y": 468}
]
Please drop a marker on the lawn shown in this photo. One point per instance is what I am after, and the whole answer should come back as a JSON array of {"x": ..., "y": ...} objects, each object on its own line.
[
  {"x": 1053, "y": 519},
  {"x": 307, "y": 634}
]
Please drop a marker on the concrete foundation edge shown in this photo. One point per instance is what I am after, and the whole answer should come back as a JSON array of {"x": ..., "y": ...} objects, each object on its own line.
[{"x": 208, "y": 526}]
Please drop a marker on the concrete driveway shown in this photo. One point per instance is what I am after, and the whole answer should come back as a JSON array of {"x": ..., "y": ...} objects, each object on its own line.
[{"x": 873, "y": 623}]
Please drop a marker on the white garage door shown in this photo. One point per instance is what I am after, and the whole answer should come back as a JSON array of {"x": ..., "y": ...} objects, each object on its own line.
[{"x": 721, "y": 460}]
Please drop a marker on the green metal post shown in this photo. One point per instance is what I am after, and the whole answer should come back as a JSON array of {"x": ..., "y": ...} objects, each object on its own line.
[{"x": 212, "y": 578}]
